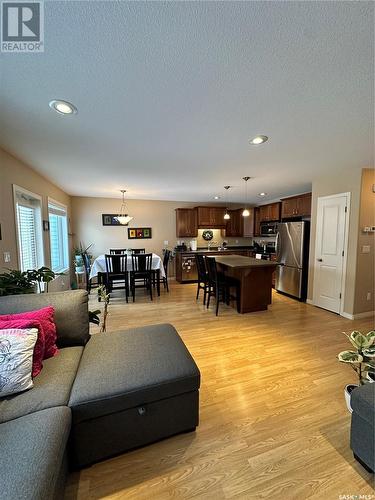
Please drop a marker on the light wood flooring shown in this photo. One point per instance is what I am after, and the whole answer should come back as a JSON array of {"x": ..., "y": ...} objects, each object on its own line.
[{"x": 273, "y": 422}]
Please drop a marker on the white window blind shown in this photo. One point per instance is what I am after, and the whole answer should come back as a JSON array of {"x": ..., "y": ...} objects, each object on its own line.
[
  {"x": 58, "y": 227},
  {"x": 27, "y": 237},
  {"x": 29, "y": 230}
]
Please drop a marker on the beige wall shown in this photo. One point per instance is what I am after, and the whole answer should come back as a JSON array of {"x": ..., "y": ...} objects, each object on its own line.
[
  {"x": 333, "y": 183},
  {"x": 159, "y": 215},
  {"x": 13, "y": 171},
  {"x": 365, "y": 273},
  {"x": 336, "y": 182}
]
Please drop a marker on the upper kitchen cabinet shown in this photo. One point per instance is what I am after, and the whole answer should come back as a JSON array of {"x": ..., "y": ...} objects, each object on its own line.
[
  {"x": 256, "y": 221},
  {"x": 211, "y": 217},
  {"x": 239, "y": 226},
  {"x": 186, "y": 223},
  {"x": 296, "y": 206},
  {"x": 270, "y": 212}
]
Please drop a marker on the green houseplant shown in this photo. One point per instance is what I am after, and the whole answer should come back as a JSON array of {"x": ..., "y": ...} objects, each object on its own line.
[
  {"x": 361, "y": 359},
  {"x": 15, "y": 282}
]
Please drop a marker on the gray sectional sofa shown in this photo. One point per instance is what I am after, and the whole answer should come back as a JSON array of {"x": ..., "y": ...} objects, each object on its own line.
[
  {"x": 362, "y": 431},
  {"x": 98, "y": 397}
]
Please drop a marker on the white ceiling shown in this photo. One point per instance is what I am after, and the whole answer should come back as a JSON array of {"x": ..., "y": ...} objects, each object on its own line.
[{"x": 168, "y": 95}]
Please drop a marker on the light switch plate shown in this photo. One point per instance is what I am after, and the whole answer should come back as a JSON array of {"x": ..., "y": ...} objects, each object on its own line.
[
  {"x": 6, "y": 256},
  {"x": 366, "y": 248}
]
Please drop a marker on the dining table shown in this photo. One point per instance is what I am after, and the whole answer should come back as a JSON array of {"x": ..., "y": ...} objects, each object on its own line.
[
  {"x": 98, "y": 268},
  {"x": 254, "y": 277}
]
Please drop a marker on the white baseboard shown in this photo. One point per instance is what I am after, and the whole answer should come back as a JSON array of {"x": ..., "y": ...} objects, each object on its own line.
[
  {"x": 367, "y": 314},
  {"x": 310, "y": 302},
  {"x": 346, "y": 315}
]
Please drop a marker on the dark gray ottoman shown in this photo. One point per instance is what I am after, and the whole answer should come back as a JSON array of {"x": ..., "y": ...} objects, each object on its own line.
[
  {"x": 132, "y": 388},
  {"x": 362, "y": 433}
]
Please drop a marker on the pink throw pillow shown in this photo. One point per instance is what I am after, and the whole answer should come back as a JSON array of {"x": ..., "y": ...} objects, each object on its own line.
[
  {"x": 46, "y": 318},
  {"x": 24, "y": 324}
]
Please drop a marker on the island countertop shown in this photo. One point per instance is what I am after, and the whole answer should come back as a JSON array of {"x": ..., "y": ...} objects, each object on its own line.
[{"x": 240, "y": 261}]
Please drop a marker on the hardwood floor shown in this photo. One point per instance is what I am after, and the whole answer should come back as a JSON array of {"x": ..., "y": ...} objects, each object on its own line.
[{"x": 273, "y": 422}]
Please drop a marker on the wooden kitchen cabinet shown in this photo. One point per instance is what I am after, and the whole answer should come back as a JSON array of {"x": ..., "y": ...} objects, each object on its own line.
[
  {"x": 211, "y": 217},
  {"x": 186, "y": 223},
  {"x": 270, "y": 212},
  {"x": 256, "y": 221},
  {"x": 296, "y": 206},
  {"x": 238, "y": 225}
]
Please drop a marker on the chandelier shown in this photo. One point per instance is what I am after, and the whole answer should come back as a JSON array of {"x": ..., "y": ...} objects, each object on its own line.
[{"x": 123, "y": 217}]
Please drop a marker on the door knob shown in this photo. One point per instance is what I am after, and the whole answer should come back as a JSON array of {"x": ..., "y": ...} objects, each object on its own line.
[{"x": 319, "y": 260}]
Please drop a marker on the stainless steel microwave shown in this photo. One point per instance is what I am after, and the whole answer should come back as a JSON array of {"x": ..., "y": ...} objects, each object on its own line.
[{"x": 268, "y": 228}]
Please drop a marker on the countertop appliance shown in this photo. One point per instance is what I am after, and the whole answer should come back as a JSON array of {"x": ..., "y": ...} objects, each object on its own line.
[
  {"x": 268, "y": 228},
  {"x": 292, "y": 254}
]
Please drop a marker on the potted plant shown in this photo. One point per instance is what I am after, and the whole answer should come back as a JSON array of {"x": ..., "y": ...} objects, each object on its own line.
[
  {"x": 79, "y": 253},
  {"x": 362, "y": 360},
  {"x": 15, "y": 282}
]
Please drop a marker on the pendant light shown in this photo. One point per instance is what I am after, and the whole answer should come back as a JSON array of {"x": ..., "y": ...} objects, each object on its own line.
[
  {"x": 226, "y": 215},
  {"x": 123, "y": 217},
  {"x": 246, "y": 212}
]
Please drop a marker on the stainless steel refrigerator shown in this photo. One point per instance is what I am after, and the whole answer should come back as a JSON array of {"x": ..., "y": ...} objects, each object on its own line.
[{"x": 292, "y": 254}]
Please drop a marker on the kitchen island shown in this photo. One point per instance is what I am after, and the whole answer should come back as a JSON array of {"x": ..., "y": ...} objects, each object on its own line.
[{"x": 255, "y": 278}]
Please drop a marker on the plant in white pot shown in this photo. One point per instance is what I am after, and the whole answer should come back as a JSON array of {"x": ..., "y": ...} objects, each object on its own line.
[{"x": 362, "y": 360}]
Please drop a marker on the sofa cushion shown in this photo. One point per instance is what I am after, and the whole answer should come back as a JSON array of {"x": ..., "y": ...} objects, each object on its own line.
[
  {"x": 39, "y": 348},
  {"x": 71, "y": 312},
  {"x": 51, "y": 388},
  {"x": 45, "y": 317},
  {"x": 16, "y": 360},
  {"x": 363, "y": 402},
  {"x": 126, "y": 369},
  {"x": 32, "y": 453}
]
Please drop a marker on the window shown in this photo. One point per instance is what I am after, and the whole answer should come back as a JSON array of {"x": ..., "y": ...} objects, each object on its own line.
[
  {"x": 58, "y": 232},
  {"x": 29, "y": 228}
]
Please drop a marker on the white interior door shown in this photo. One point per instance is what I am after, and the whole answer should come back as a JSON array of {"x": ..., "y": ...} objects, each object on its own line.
[{"x": 330, "y": 251}]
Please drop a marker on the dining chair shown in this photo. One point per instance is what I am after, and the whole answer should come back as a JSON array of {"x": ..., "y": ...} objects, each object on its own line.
[
  {"x": 116, "y": 251},
  {"x": 116, "y": 266},
  {"x": 156, "y": 273},
  {"x": 138, "y": 250},
  {"x": 203, "y": 282},
  {"x": 219, "y": 285},
  {"x": 87, "y": 266},
  {"x": 141, "y": 274}
]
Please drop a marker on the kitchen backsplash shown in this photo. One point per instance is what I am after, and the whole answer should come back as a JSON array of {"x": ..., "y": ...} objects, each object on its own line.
[{"x": 219, "y": 239}]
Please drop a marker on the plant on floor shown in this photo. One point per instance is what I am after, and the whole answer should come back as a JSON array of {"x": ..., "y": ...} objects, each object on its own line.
[
  {"x": 15, "y": 282},
  {"x": 362, "y": 359}
]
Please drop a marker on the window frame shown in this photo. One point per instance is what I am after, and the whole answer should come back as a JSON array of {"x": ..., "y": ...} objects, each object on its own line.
[
  {"x": 39, "y": 240},
  {"x": 66, "y": 258}
]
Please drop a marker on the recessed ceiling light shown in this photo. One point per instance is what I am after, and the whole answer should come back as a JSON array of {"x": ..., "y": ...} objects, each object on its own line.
[
  {"x": 258, "y": 139},
  {"x": 216, "y": 197},
  {"x": 262, "y": 194},
  {"x": 63, "y": 107}
]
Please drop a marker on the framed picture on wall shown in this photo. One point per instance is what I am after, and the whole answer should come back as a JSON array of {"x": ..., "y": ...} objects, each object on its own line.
[
  {"x": 110, "y": 220},
  {"x": 139, "y": 233}
]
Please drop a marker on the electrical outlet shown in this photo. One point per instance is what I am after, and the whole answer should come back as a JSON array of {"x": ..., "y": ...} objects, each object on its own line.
[
  {"x": 368, "y": 295},
  {"x": 6, "y": 256},
  {"x": 166, "y": 243},
  {"x": 366, "y": 248},
  {"x": 236, "y": 241}
]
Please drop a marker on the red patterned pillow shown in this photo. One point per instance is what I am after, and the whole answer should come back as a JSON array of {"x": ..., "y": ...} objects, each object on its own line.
[
  {"x": 39, "y": 346},
  {"x": 46, "y": 319}
]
